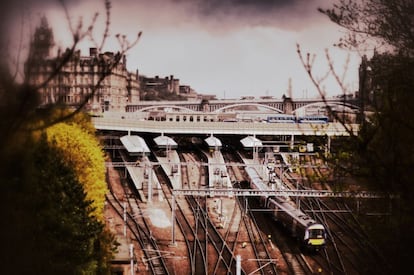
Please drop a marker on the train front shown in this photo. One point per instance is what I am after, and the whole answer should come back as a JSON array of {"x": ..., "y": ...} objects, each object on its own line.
[{"x": 315, "y": 237}]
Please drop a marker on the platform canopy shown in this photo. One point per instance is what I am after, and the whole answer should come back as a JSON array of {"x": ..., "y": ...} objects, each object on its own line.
[
  {"x": 135, "y": 145},
  {"x": 165, "y": 142},
  {"x": 213, "y": 142},
  {"x": 250, "y": 142}
]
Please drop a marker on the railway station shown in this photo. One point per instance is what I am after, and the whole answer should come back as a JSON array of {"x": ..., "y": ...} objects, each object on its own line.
[
  {"x": 213, "y": 143},
  {"x": 141, "y": 171},
  {"x": 169, "y": 160},
  {"x": 135, "y": 145},
  {"x": 251, "y": 142},
  {"x": 165, "y": 143},
  {"x": 233, "y": 195}
]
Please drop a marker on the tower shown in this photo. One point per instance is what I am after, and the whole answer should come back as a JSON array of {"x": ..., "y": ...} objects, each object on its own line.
[
  {"x": 42, "y": 41},
  {"x": 365, "y": 86}
]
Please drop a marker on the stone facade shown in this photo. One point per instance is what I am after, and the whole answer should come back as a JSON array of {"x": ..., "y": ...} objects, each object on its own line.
[{"x": 99, "y": 82}]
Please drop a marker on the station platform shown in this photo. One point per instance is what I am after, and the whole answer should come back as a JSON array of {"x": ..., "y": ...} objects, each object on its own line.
[
  {"x": 172, "y": 168},
  {"x": 143, "y": 176},
  {"x": 218, "y": 174}
]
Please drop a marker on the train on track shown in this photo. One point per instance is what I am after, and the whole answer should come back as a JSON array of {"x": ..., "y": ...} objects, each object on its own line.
[
  {"x": 312, "y": 235},
  {"x": 284, "y": 118}
]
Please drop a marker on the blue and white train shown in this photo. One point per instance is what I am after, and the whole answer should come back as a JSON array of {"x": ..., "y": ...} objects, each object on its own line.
[
  {"x": 284, "y": 118},
  {"x": 312, "y": 235}
]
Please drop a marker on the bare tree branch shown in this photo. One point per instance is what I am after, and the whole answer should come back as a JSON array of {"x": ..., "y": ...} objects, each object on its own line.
[
  {"x": 308, "y": 65},
  {"x": 26, "y": 118}
]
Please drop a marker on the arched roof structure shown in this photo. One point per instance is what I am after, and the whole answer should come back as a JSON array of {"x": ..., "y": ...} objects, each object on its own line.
[
  {"x": 165, "y": 108},
  {"x": 335, "y": 106},
  {"x": 233, "y": 106}
]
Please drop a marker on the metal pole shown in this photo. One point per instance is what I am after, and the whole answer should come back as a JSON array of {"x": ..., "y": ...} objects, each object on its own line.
[
  {"x": 221, "y": 208},
  {"x": 297, "y": 198},
  {"x": 281, "y": 172},
  {"x": 238, "y": 264},
  {"x": 150, "y": 184},
  {"x": 204, "y": 213},
  {"x": 358, "y": 204},
  {"x": 131, "y": 254},
  {"x": 328, "y": 146},
  {"x": 173, "y": 220},
  {"x": 125, "y": 218}
]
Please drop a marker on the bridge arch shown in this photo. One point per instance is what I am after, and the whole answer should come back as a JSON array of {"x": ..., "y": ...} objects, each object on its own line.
[
  {"x": 321, "y": 106},
  {"x": 233, "y": 106},
  {"x": 165, "y": 108}
]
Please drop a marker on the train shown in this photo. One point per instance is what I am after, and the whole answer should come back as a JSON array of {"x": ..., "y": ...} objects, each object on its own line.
[
  {"x": 311, "y": 234},
  {"x": 283, "y": 118}
]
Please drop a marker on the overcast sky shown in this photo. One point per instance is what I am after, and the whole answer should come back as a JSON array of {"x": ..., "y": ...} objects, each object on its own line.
[{"x": 229, "y": 48}]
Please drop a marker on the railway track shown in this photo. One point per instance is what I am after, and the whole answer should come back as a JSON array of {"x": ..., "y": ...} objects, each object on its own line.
[
  {"x": 219, "y": 254},
  {"x": 211, "y": 251},
  {"x": 265, "y": 261},
  {"x": 195, "y": 246},
  {"x": 349, "y": 250},
  {"x": 231, "y": 234},
  {"x": 130, "y": 211},
  {"x": 224, "y": 254},
  {"x": 330, "y": 259},
  {"x": 352, "y": 247},
  {"x": 293, "y": 258},
  {"x": 153, "y": 257}
]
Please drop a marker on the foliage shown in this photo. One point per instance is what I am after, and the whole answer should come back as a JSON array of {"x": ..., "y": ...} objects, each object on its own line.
[
  {"x": 52, "y": 184},
  {"x": 81, "y": 119},
  {"x": 384, "y": 151},
  {"x": 82, "y": 152},
  {"x": 50, "y": 226},
  {"x": 388, "y": 22},
  {"x": 386, "y": 139},
  {"x": 383, "y": 154}
]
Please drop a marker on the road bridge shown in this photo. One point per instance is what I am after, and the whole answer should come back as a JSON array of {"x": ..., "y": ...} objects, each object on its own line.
[
  {"x": 224, "y": 128},
  {"x": 281, "y": 193},
  {"x": 285, "y": 105}
]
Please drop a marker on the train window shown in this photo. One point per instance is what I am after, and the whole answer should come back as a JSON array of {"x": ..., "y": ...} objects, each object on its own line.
[{"x": 316, "y": 233}]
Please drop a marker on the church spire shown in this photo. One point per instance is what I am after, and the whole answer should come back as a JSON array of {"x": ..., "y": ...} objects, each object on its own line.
[{"x": 42, "y": 41}]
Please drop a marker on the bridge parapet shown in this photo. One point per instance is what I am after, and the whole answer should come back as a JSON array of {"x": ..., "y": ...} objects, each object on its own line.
[
  {"x": 222, "y": 104},
  {"x": 239, "y": 128}
]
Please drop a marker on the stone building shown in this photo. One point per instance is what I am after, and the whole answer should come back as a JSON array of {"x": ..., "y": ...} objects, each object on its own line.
[
  {"x": 100, "y": 80},
  {"x": 160, "y": 84},
  {"x": 167, "y": 86}
]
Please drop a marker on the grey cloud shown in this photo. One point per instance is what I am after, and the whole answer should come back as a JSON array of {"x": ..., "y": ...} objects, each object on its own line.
[
  {"x": 287, "y": 14},
  {"x": 244, "y": 6},
  {"x": 212, "y": 15}
]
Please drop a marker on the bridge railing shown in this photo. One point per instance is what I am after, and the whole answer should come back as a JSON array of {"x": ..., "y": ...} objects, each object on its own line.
[
  {"x": 284, "y": 193},
  {"x": 243, "y": 128}
]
